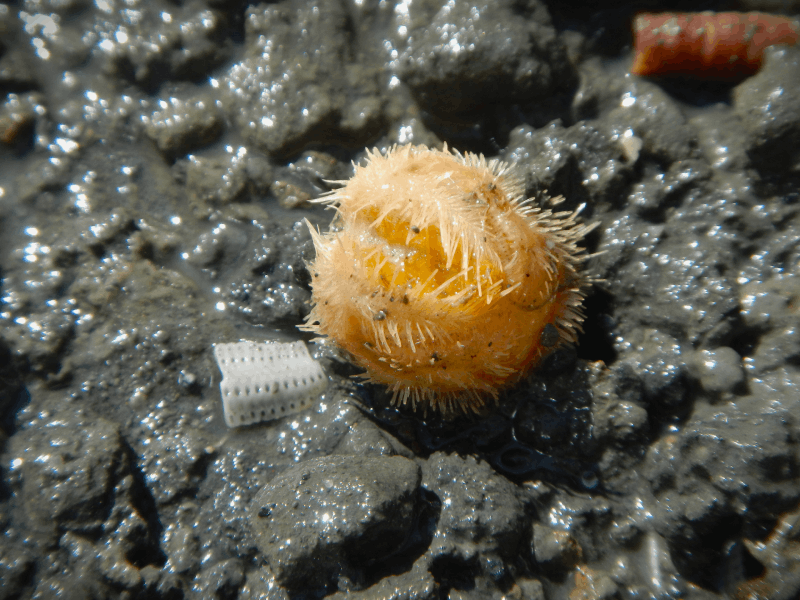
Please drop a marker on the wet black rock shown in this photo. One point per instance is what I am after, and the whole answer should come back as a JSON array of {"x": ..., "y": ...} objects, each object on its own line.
[
  {"x": 656, "y": 118},
  {"x": 579, "y": 162},
  {"x": 151, "y": 45},
  {"x": 68, "y": 473},
  {"x": 719, "y": 371},
  {"x": 652, "y": 198},
  {"x": 331, "y": 516},
  {"x": 662, "y": 368},
  {"x": 770, "y": 308},
  {"x": 555, "y": 418},
  {"x": 555, "y": 549},
  {"x": 183, "y": 119},
  {"x": 138, "y": 230},
  {"x": 769, "y": 105},
  {"x": 16, "y": 571},
  {"x": 173, "y": 464},
  {"x": 669, "y": 274},
  {"x": 295, "y": 85},
  {"x": 699, "y": 476},
  {"x": 461, "y": 56},
  {"x": 482, "y": 516},
  {"x": 266, "y": 288},
  {"x": 619, "y": 415},
  {"x": 222, "y": 580}
]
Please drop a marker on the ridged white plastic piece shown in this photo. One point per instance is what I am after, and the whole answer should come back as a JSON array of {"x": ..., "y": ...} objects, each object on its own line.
[{"x": 266, "y": 380}]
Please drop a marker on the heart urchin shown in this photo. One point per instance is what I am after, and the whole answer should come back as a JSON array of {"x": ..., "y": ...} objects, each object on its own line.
[{"x": 441, "y": 280}]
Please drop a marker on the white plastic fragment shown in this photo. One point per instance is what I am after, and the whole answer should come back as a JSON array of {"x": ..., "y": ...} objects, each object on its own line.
[{"x": 266, "y": 380}]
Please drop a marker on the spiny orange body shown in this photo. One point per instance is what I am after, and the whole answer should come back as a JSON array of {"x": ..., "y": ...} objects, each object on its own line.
[{"x": 440, "y": 280}]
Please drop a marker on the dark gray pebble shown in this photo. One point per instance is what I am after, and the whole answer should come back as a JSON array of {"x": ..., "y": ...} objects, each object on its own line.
[
  {"x": 769, "y": 105},
  {"x": 329, "y": 515}
]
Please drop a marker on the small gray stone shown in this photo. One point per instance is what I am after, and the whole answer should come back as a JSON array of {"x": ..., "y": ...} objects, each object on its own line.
[
  {"x": 579, "y": 162},
  {"x": 772, "y": 307},
  {"x": 661, "y": 366},
  {"x": 776, "y": 348},
  {"x": 727, "y": 460},
  {"x": 182, "y": 121},
  {"x": 214, "y": 180},
  {"x": 617, "y": 411},
  {"x": 219, "y": 245},
  {"x": 365, "y": 438},
  {"x": 150, "y": 47},
  {"x": 116, "y": 568},
  {"x": 767, "y": 304},
  {"x": 173, "y": 463},
  {"x": 625, "y": 531},
  {"x": 18, "y": 115},
  {"x": 769, "y": 105},
  {"x": 181, "y": 546},
  {"x": 620, "y": 420},
  {"x": 719, "y": 133},
  {"x": 778, "y": 553},
  {"x": 719, "y": 370},
  {"x": 16, "y": 568},
  {"x": 221, "y": 580},
  {"x": 480, "y": 511},
  {"x": 555, "y": 549},
  {"x": 656, "y": 118},
  {"x": 653, "y": 197},
  {"x": 416, "y": 584},
  {"x": 465, "y": 54},
  {"x": 323, "y": 513},
  {"x": 531, "y": 589},
  {"x": 69, "y": 472},
  {"x": 591, "y": 584},
  {"x": 292, "y": 86},
  {"x": 17, "y": 69}
]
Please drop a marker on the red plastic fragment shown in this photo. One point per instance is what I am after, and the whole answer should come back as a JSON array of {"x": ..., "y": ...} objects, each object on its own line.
[{"x": 725, "y": 45}]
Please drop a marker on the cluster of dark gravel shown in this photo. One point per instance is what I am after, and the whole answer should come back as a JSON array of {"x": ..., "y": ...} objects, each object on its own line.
[{"x": 158, "y": 161}]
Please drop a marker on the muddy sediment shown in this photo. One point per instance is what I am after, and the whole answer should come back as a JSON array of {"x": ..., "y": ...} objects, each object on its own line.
[{"x": 157, "y": 165}]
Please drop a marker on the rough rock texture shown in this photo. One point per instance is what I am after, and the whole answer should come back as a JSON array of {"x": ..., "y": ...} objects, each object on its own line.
[
  {"x": 299, "y": 56},
  {"x": 769, "y": 104},
  {"x": 159, "y": 159},
  {"x": 183, "y": 121},
  {"x": 460, "y": 56},
  {"x": 481, "y": 516},
  {"x": 334, "y": 514}
]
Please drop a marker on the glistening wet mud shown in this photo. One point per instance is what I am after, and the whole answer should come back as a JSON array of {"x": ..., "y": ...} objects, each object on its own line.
[{"x": 157, "y": 162}]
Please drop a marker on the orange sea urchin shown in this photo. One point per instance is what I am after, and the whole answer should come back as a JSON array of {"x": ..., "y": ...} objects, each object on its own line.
[{"x": 441, "y": 280}]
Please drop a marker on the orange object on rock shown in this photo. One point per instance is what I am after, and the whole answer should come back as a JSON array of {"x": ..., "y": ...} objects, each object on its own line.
[
  {"x": 441, "y": 280},
  {"x": 726, "y": 45}
]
